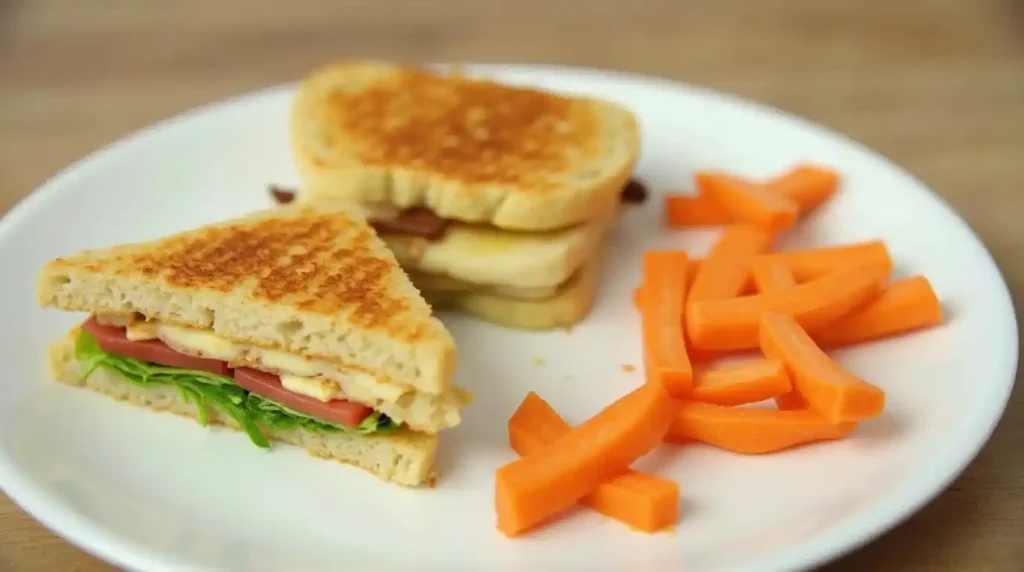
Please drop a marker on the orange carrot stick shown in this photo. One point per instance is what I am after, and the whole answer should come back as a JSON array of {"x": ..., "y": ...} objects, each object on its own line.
[
  {"x": 744, "y": 383},
  {"x": 770, "y": 275},
  {"x": 726, "y": 270},
  {"x": 552, "y": 479},
  {"x": 694, "y": 210},
  {"x": 790, "y": 401},
  {"x": 807, "y": 185},
  {"x": 832, "y": 391},
  {"x": 692, "y": 268},
  {"x": 664, "y": 299},
  {"x": 751, "y": 430},
  {"x": 816, "y": 262},
  {"x": 748, "y": 202},
  {"x": 733, "y": 324},
  {"x": 903, "y": 306},
  {"x": 636, "y": 499}
]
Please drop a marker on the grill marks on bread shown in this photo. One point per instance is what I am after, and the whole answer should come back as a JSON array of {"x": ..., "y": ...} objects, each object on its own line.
[
  {"x": 314, "y": 262},
  {"x": 472, "y": 131}
]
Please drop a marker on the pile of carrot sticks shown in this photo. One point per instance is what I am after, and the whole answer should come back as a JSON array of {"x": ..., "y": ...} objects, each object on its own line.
[{"x": 787, "y": 308}]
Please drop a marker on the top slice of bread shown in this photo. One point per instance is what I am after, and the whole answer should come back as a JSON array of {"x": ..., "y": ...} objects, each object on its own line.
[
  {"x": 310, "y": 281},
  {"x": 469, "y": 149}
]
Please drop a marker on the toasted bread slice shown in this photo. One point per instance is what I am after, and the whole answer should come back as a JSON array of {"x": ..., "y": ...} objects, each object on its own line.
[
  {"x": 469, "y": 149},
  {"x": 317, "y": 283},
  {"x": 570, "y": 304},
  {"x": 403, "y": 457}
]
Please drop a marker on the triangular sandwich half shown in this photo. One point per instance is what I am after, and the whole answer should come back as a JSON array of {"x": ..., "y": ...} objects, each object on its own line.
[{"x": 293, "y": 324}]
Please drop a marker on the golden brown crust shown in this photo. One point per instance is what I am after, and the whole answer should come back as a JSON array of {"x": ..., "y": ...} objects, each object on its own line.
[
  {"x": 470, "y": 150},
  {"x": 470, "y": 130},
  {"x": 310, "y": 281},
  {"x": 312, "y": 261}
]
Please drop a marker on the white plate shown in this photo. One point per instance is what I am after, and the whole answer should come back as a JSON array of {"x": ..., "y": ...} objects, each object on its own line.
[{"x": 155, "y": 492}]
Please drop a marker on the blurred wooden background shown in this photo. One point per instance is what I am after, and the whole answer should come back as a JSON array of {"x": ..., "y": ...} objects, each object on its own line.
[{"x": 936, "y": 85}]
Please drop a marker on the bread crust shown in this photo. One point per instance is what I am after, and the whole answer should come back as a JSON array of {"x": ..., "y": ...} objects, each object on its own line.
[
  {"x": 470, "y": 150},
  {"x": 315, "y": 282}
]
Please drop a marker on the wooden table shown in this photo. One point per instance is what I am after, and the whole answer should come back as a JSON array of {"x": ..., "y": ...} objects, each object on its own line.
[{"x": 936, "y": 85}]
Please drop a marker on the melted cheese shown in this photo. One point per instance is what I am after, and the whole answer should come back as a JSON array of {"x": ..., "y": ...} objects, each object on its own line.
[
  {"x": 320, "y": 389},
  {"x": 141, "y": 331},
  {"x": 206, "y": 344}
]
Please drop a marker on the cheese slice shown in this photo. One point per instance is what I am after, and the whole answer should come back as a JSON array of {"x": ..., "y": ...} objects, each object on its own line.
[{"x": 320, "y": 389}]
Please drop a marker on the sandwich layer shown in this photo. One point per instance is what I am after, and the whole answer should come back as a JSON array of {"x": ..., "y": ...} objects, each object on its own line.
[
  {"x": 317, "y": 379},
  {"x": 490, "y": 256},
  {"x": 440, "y": 284},
  {"x": 316, "y": 283},
  {"x": 467, "y": 149},
  {"x": 571, "y": 303},
  {"x": 402, "y": 456}
]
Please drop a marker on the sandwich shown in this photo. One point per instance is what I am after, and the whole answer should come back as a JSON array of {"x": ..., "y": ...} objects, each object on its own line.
[
  {"x": 496, "y": 199},
  {"x": 293, "y": 324}
]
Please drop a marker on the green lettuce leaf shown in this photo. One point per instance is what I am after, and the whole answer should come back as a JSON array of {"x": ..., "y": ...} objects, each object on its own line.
[
  {"x": 277, "y": 416},
  {"x": 208, "y": 390}
]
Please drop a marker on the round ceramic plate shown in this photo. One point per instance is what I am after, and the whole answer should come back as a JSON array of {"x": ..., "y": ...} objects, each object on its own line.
[{"x": 151, "y": 491}]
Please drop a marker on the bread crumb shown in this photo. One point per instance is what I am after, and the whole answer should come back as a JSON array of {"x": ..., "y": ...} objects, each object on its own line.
[{"x": 628, "y": 367}]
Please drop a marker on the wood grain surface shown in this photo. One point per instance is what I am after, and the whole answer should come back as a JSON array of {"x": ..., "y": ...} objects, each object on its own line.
[{"x": 938, "y": 86}]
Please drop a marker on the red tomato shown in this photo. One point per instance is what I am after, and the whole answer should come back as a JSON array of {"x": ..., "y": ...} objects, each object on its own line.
[
  {"x": 340, "y": 411},
  {"x": 112, "y": 339}
]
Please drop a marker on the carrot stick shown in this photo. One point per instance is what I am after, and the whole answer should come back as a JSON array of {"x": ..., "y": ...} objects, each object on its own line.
[
  {"x": 751, "y": 430},
  {"x": 807, "y": 185},
  {"x": 816, "y": 262},
  {"x": 692, "y": 268},
  {"x": 636, "y": 499},
  {"x": 548, "y": 481},
  {"x": 827, "y": 388},
  {"x": 790, "y": 401},
  {"x": 694, "y": 210},
  {"x": 770, "y": 275},
  {"x": 744, "y": 383},
  {"x": 664, "y": 299},
  {"x": 903, "y": 306},
  {"x": 726, "y": 270},
  {"x": 748, "y": 202},
  {"x": 733, "y": 324}
]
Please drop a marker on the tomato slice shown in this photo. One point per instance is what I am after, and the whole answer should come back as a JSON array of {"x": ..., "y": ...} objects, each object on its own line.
[
  {"x": 111, "y": 339},
  {"x": 340, "y": 411}
]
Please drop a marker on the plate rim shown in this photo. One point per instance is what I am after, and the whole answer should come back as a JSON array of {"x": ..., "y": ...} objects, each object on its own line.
[{"x": 907, "y": 500}]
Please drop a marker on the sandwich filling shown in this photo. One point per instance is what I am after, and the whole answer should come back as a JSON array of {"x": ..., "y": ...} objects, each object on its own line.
[
  {"x": 424, "y": 223},
  {"x": 214, "y": 372},
  {"x": 316, "y": 378}
]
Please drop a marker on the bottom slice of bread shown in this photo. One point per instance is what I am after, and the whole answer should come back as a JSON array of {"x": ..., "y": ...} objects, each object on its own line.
[
  {"x": 570, "y": 304},
  {"x": 403, "y": 457}
]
